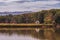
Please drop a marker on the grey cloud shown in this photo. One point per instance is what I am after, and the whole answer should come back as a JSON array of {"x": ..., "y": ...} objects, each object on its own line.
[
  {"x": 27, "y": 5},
  {"x": 3, "y": 4},
  {"x": 56, "y": 5}
]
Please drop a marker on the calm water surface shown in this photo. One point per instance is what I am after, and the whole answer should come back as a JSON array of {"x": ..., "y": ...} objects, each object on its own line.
[
  {"x": 22, "y": 35},
  {"x": 16, "y": 37}
]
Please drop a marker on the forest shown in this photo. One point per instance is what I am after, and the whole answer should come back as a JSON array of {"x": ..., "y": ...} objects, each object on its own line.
[{"x": 42, "y": 16}]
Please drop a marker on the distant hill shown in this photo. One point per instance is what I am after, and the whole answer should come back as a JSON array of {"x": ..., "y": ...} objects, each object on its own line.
[{"x": 14, "y": 13}]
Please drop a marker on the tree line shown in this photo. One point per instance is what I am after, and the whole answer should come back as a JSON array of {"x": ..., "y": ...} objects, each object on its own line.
[{"x": 32, "y": 17}]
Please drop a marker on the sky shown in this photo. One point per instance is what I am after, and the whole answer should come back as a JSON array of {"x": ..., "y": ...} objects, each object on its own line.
[{"x": 28, "y": 5}]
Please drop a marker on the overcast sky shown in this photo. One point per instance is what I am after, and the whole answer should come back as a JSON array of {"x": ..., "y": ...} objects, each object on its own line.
[{"x": 28, "y": 5}]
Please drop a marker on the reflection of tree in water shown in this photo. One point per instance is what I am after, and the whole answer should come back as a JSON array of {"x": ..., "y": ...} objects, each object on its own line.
[
  {"x": 33, "y": 33},
  {"x": 39, "y": 35}
]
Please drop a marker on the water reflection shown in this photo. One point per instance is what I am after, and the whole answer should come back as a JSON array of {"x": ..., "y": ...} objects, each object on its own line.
[
  {"x": 23, "y": 35},
  {"x": 16, "y": 37}
]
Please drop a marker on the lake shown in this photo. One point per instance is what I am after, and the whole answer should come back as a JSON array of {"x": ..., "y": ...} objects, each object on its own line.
[{"x": 24, "y": 35}]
